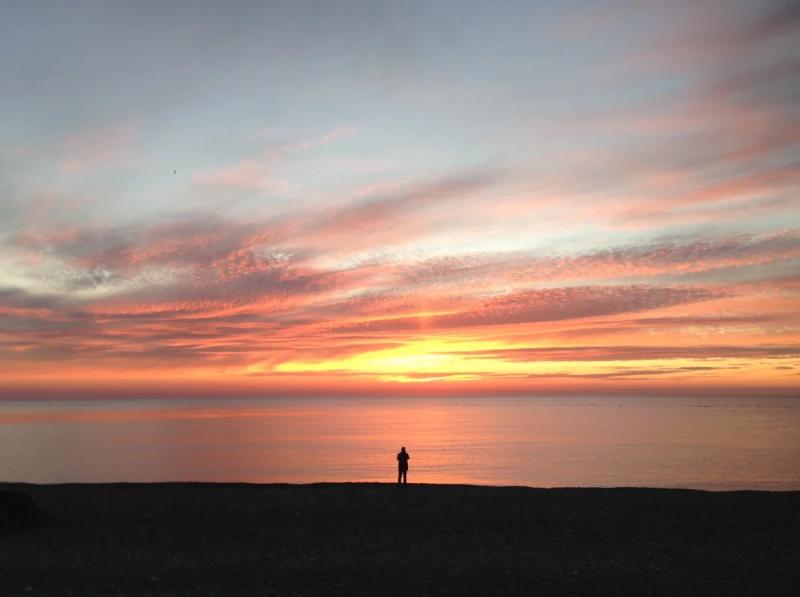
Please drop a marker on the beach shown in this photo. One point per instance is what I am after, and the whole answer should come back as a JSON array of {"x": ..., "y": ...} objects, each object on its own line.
[{"x": 371, "y": 538}]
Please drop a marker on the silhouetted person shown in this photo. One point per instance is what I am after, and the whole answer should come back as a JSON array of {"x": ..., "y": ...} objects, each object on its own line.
[{"x": 402, "y": 465}]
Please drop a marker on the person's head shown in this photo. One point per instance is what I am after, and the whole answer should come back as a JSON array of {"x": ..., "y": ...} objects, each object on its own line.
[{"x": 403, "y": 449}]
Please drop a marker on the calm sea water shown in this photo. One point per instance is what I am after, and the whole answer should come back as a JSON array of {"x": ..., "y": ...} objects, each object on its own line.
[{"x": 707, "y": 443}]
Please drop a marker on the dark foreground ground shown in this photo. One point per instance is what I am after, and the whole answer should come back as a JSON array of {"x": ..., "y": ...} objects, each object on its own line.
[{"x": 371, "y": 539}]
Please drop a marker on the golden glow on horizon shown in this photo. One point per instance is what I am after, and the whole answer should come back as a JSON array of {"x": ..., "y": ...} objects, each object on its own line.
[
  {"x": 430, "y": 355},
  {"x": 455, "y": 360}
]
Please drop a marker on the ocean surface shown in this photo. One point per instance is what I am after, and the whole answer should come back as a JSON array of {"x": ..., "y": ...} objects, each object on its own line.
[{"x": 705, "y": 443}]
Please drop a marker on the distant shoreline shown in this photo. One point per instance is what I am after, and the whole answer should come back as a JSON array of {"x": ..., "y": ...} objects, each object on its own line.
[
  {"x": 24, "y": 485},
  {"x": 378, "y": 538}
]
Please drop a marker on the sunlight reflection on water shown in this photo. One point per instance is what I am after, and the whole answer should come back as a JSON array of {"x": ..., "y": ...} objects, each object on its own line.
[{"x": 709, "y": 443}]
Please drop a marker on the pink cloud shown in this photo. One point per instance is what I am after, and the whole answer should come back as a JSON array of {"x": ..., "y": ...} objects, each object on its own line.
[
  {"x": 652, "y": 259},
  {"x": 85, "y": 151},
  {"x": 638, "y": 353},
  {"x": 254, "y": 173},
  {"x": 248, "y": 174},
  {"x": 395, "y": 216},
  {"x": 556, "y": 304}
]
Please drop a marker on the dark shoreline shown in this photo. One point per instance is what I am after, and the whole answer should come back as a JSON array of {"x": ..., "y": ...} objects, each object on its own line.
[{"x": 371, "y": 538}]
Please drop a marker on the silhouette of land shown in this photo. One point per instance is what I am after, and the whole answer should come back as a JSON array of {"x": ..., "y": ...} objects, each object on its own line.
[{"x": 239, "y": 539}]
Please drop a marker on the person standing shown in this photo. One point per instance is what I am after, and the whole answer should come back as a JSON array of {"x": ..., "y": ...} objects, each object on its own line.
[{"x": 402, "y": 465}]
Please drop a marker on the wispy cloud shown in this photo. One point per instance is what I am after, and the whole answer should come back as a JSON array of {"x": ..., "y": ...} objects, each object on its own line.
[
  {"x": 546, "y": 305},
  {"x": 88, "y": 150},
  {"x": 257, "y": 173}
]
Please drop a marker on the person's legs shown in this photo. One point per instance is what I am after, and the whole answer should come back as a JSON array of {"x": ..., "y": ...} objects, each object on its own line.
[
  {"x": 399, "y": 476},
  {"x": 405, "y": 476}
]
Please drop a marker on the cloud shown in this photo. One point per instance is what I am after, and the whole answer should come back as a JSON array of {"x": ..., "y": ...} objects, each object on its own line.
[
  {"x": 760, "y": 183},
  {"x": 334, "y": 134},
  {"x": 398, "y": 215},
  {"x": 660, "y": 258},
  {"x": 206, "y": 259},
  {"x": 17, "y": 297},
  {"x": 193, "y": 241},
  {"x": 255, "y": 174},
  {"x": 249, "y": 174},
  {"x": 716, "y": 142},
  {"x": 762, "y": 80},
  {"x": 716, "y": 37},
  {"x": 627, "y": 373},
  {"x": 84, "y": 151},
  {"x": 780, "y": 18},
  {"x": 556, "y": 304},
  {"x": 637, "y": 353},
  {"x": 235, "y": 277}
]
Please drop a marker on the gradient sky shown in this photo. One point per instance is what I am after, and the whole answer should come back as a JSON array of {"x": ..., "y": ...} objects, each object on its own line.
[{"x": 429, "y": 197}]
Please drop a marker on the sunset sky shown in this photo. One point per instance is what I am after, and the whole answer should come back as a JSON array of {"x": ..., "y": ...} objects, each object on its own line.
[{"x": 399, "y": 197}]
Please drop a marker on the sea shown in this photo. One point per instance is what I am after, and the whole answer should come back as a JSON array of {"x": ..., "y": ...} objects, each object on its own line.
[{"x": 711, "y": 443}]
